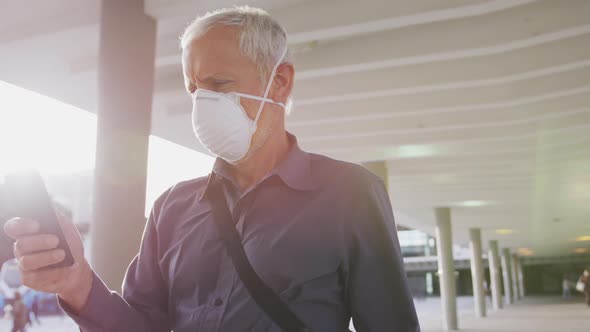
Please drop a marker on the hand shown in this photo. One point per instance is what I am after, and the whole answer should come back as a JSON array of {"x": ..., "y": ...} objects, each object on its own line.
[{"x": 35, "y": 252}]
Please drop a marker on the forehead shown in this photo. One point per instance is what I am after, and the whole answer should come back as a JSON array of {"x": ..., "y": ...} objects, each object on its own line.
[{"x": 216, "y": 50}]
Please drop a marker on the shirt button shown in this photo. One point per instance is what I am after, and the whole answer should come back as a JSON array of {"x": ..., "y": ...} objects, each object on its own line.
[{"x": 218, "y": 302}]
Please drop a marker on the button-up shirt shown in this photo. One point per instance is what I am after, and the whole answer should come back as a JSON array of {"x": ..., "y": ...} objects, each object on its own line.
[{"x": 318, "y": 231}]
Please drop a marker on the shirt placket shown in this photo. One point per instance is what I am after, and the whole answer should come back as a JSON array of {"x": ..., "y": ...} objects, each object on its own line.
[
  {"x": 219, "y": 302},
  {"x": 227, "y": 280}
]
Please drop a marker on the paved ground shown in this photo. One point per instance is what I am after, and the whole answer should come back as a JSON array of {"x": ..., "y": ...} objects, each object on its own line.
[
  {"x": 538, "y": 314},
  {"x": 49, "y": 324}
]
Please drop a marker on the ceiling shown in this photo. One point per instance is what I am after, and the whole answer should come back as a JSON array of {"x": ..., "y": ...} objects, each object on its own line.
[{"x": 483, "y": 106}]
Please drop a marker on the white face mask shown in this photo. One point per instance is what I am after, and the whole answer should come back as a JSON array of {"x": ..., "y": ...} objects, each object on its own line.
[{"x": 221, "y": 123}]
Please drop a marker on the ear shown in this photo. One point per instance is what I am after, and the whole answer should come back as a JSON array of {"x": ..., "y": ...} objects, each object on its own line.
[{"x": 283, "y": 82}]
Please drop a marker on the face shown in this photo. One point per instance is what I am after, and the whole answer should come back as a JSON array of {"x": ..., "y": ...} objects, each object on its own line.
[{"x": 214, "y": 62}]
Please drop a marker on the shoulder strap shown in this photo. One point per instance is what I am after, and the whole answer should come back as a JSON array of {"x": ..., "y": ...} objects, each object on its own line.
[{"x": 262, "y": 294}]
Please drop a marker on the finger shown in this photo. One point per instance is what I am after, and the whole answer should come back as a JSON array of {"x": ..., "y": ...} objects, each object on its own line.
[
  {"x": 40, "y": 260},
  {"x": 18, "y": 227},
  {"x": 33, "y": 243},
  {"x": 47, "y": 280}
]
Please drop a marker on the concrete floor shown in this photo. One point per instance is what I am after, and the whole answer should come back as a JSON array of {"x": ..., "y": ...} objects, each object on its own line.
[
  {"x": 49, "y": 324},
  {"x": 538, "y": 314}
]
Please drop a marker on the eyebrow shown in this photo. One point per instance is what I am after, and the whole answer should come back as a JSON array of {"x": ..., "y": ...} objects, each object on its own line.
[{"x": 215, "y": 76}]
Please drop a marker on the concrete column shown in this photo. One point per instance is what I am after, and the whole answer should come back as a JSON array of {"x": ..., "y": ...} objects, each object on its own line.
[
  {"x": 379, "y": 168},
  {"x": 520, "y": 278},
  {"x": 446, "y": 268},
  {"x": 507, "y": 274},
  {"x": 515, "y": 283},
  {"x": 477, "y": 272},
  {"x": 494, "y": 262},
  {"x": 125, "y": 89}
]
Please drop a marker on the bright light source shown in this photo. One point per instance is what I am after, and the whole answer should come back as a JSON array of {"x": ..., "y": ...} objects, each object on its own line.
[
  {"x": 473, "y": 203},
  {"x": 583, "y": 238},
  {"x": 504, "y": 231},
  {"x": 40, "y": 132},
  {"x": 581, "y": 250},
  {"x": 54, "y": 137},
  {"x": 525, "y": 252},
  {"x": 415, "y": 151},
  {"x": 411, "y": 151}
]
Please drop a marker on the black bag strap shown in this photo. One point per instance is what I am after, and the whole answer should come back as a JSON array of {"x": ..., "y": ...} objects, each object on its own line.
[{"x": 262, "y": 294}]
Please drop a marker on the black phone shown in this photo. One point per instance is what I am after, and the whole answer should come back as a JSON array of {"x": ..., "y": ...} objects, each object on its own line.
[{"x": 25, "y": 196}]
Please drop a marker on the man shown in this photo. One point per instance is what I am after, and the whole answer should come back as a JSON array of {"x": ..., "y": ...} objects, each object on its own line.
[
  {"x": 319, "y": 232},
  {"x": 565, "y": 285},
  {"x": 35, "y": 310},
  {"x": 20, "y": 314},
  {"x": 585, "y": 279}
]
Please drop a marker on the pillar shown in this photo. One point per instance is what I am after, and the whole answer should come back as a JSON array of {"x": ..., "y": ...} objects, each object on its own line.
[
  {"x": 515, "y": 283},
  {"x": 477, "y": 272},
  {"x": 379, "y": 168},
  {"x": 446, "y": 268},
  {"x": 125, "y": 89},
  {"x": 520, "y": 279},
  {"x": 507, "y": 274},
  {"x": 494, "y": 262}
]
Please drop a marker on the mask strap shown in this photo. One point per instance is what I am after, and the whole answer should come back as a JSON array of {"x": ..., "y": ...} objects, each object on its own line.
[
  {"x": 268, "y": 100},
  {"x": 269, "y": 84}
]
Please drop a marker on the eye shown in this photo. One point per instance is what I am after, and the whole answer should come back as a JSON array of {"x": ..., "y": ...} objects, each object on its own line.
[
  {"x": 221, "y": 85},
  {"x": 221, "y": 82}
]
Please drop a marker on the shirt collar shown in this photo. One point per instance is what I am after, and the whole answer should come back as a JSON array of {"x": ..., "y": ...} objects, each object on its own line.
[{"x": 294, "y": 170}]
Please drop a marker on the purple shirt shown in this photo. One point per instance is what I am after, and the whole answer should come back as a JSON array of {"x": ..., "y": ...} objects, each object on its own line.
[{"x": 320, "y": 232}]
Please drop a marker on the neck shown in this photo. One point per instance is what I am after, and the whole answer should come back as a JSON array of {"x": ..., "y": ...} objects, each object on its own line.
[{"x": 263, "y": 161}]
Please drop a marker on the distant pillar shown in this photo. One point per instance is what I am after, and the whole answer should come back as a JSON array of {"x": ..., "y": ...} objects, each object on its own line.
[
  {"x": 521, "y": 278},
  {"x": 477, "y": 272},
  {"x": 515, "y": 282},
  {"x": 507, "y": 273},
  {"x": 495, "y": 276},
  {"x": 127, "y": 50},
  {"x": 446, "y": 268},
  {"x": 379, "y": 168}
]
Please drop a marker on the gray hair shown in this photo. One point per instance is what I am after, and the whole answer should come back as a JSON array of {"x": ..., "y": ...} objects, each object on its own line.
[{"x": 261, "y": 38}]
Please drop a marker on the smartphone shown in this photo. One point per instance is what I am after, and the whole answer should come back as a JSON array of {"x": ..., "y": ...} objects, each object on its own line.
[{"x": 26, "y": 196}]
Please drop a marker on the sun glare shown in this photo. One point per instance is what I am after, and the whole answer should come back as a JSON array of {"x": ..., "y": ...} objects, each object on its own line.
[
  {"x": 56, "y": 138},
  {"x": 36, "y": 131}
]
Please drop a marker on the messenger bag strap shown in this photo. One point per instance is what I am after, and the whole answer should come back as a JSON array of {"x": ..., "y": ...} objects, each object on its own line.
[{"x": 262, "y": 294}]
